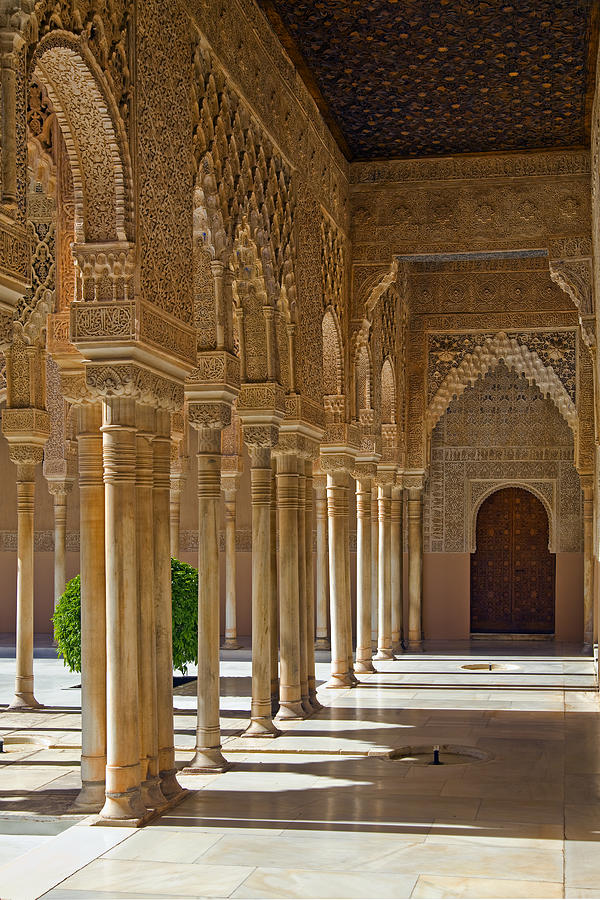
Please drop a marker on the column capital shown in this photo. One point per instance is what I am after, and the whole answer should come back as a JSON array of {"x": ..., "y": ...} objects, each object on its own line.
[
  {"x": 134, "y": 381},
  {"x": 230, "y": 484},
  {"x": 209, "y": 415},
  {"x": 58, "y": 486},
  {"x": 413, "y": 481}
]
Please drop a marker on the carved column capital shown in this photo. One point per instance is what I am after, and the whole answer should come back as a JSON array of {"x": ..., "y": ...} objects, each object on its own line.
[{"x": 574, "y": 277}]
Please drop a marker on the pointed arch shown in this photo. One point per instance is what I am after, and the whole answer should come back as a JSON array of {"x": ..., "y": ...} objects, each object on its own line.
[
  {"x": 94, "y": 138},
  {"x": 333, "y": 356},
  {"x": 484, "y": 359},
  {"x": 388, "y": 392}
]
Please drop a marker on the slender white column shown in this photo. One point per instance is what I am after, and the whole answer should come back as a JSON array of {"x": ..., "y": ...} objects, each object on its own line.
[
  {"x": 261, "y": 724},
  {"x": 176, "y": 489},
  {"x": 415, "y": 568},
  {"x": 26, "y": 458},
  {"x": 230, "y": 489},
  {"x": 337, "y": 512},
  {"x": 93, "y": 609},
  {"x": 161, "y": 460},
  {"x": 363, "y": 576},
  {"x": 58, "y": 491},
  {"x": 290, "y": 697},
  {"x": 587, "y": 484},
  {"x": 396, "y": 554},
  {"x": 208, "y": 756},
  {"x": 384, "y": 638},
  {"x": 302, "y": 617},
  {"x": 274, "y": 595},
  {"x": 123, "y": 793},
  {"x": 310, "y": 589},
  {"x": 322, "y": 599},
  {"x": 152, "y": 796},
  {"x": 347, "y": 593},
  {"x": 374, "y": 566}
]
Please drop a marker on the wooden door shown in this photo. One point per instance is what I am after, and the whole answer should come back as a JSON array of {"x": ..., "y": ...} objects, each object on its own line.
[{"x": 513, "y": 573}]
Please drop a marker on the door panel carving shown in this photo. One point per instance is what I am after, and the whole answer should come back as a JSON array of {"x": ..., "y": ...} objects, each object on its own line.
[{"x": 513, "y": 574}]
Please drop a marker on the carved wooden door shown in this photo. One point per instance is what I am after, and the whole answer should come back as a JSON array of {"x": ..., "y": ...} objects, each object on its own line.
[{"x": 512, "y": 571}]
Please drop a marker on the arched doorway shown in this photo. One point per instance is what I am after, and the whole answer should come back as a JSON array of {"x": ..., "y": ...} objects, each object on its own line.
[{"x": 513, "y": 574}]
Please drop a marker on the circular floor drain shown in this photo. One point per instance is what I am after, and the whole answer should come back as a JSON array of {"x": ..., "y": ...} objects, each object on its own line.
[
  {"x": 447, "y": 755},
  {"x": 490, "y": 667}
]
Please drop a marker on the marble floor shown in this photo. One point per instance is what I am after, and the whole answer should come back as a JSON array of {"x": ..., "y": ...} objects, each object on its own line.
[{"x": 323, "y": 811}]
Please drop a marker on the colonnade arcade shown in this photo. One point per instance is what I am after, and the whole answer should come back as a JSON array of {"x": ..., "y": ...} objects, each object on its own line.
[{"x": 172, "y": 261}]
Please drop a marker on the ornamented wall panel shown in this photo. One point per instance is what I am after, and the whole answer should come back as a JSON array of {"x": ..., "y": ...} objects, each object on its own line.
[{"x": 500, "y": 431}]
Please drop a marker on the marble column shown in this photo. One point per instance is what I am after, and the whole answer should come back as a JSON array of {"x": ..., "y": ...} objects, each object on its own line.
[
  {"x": 261, "y": 724},
  {"x": 177, "y": 482},
  {"x": 374, "y": 565},
  {"x": 152, "y": 796},
  {"x": 59, "y": 491},
  {"x": 587, "y": 485},
  {"x": 310, "y": 588},
  {"x": 396, "y": 556},
  {"x": 384, "y": 635},
  {"x": 347, "y": 594},
  {"x": 163, "y": 616},
  {"x": 123, "y": 788},
  {"x": 26, "y": 459},
  {"x": 415, "y": 567},
  {"x": 208, "y": 756},
  {"x": 322, "y": 598},
  {"x": 274, "y": 596},
  {"x": 337, "y": 512},
  {"x": 290, "y": 696},
  {"x": 302, "y": 616},
  {"x": 363, "y": 576},
  {"x": 93, "y": 609},
  {"x": 230, "y": 484}
]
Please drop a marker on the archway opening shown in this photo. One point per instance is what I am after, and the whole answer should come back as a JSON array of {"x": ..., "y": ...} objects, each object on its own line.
[{"x": 513, "y": 573}]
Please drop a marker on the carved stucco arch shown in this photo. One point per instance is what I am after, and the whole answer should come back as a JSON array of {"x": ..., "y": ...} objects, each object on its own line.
[
  {"x": 374, "y": 287},
  {"x": 94, "y": 138},
  {"x": 501, "y": 484},
  {"x": 258, "y": 353},
  {"x": 485, "y": 358},
  {"x": 333, "y": 354},
  {"x": 388, "y": 392}
]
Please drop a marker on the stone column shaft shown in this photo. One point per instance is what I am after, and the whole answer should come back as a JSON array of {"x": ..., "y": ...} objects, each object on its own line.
[
  {"x": 290, "y": 697},
  {"x": 322, "y": 598},
  {"x": 384, "y": 637},
  {"x": 337, "y": 512},
  {"x": 415, "y": 568},
  {"x": 588, "y": 561},
  {"x": 163, "y": 616},
  {"x": 310, "y": 589},
  {"x": 59, "y": 499},
  {"x": 397, "y": 551},
  {"x": 175, "y": 492},
  {"x": 93, "y": 609},
  {"x": 363, "y": 576},
  {"x": 374, "y": 566},
  {"x": 208, "y": 756},
  {"x": 347, "y": 593},
  {"x": 123, "y": 793},
  {"x": 274, "y": 596},
  {"x": 24, "y": 696},
  {"x": 261, "y": 724},
  {"x": 303, "y": 619},
  {"x": 231, "y": 642}
]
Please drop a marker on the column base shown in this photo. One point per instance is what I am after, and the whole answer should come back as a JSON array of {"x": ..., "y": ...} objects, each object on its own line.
[
  {"x": 261, "y": 727},
  {"x": 384, "y": 654},
  {"x": 322, "y": 644},
  {"x": 207, "y": 759},
  {"x": 307, "y": 706},
  {"x": 152, "y": 795},
  {"x": 364, "y": 667},
  {"x": 274, "y": 704},
  {"x": 587, "y": 647},
  {"x": 338, "y": 682},
  {"x": 290, "y": 709},
  {"x": 124, "y": 808},
  {"x": 231, "y": 644},
  {"x": 91, "y": 797},
  {"x": 170, "y": 787},
  {"x": 315, "y": 703},
  {"x": 25, "y": 700},
  {"x": 416, "y": 646}
]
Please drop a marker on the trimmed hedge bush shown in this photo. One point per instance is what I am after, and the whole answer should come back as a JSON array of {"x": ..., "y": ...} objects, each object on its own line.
[{"x": 184, "y": 594}]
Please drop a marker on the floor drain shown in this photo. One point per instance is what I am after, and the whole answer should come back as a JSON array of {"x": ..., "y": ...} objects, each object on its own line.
[
  {"x": 438, "y": 754},
  {"x": 490, "y": 667}
]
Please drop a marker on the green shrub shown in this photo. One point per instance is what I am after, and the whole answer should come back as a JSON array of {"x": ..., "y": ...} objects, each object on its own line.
[{"x": 184, "y": 593}]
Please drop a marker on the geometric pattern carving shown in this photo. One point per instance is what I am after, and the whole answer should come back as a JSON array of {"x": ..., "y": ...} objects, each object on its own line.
[{"x": 487, "y": 356}]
